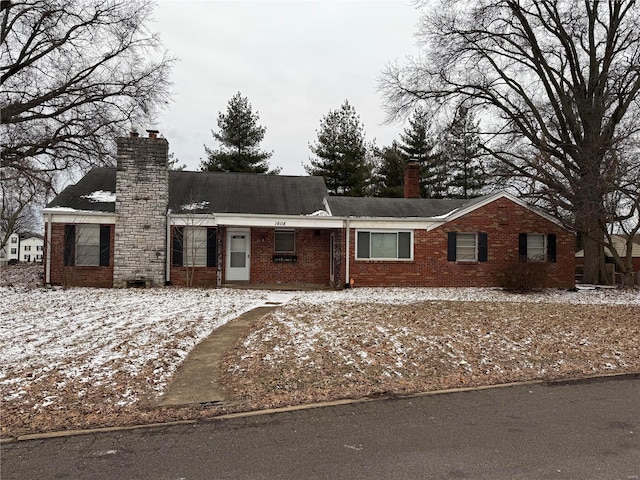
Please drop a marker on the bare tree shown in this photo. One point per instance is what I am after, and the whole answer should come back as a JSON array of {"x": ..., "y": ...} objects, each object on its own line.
[
  {"x": 75, "y": 75},
  {"x": 557, "y": 81},
  {"x": 18, "y": 201}
]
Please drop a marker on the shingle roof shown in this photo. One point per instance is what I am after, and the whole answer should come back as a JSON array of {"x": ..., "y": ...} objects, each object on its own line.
[
  {"x": 77, "y": 196},
  {"x": 208, "y": 192},
  {"x": 393, "y": 207}
]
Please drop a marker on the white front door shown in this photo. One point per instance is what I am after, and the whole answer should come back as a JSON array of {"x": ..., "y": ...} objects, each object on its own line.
[{"x": 238, "y": 249}]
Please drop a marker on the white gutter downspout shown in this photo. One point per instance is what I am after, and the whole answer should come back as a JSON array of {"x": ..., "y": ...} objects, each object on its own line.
[
  {"x": 348, "y": 255},
  {"x": 167, "y": 267},
  {"x": 47, "y": 267}
]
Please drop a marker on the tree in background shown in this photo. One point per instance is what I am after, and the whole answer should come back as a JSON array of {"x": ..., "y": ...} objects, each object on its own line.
[
  {"x": 417, "y": 143},
  {"x": 74, "y": 75},
  {"x": 341, "y": 153},
  {"x": 560, "y": 82},
  {"x": 239, "y": 138},
  {"x": 388, "y": 177},
  {"x": 461, "y": 155}
]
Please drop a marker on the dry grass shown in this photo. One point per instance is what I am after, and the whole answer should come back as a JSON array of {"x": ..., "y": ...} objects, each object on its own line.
[
  {"x": 335, "y": 346},
  {"x": 300, "y": 355}
]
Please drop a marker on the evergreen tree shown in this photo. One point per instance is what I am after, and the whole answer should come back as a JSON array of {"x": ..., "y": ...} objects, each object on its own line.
[
  {"x": 389, "y": 171},
  {"x": 461, "y": 153},
  {"x": 341, "y": 153},
  {"x": 417, "y": 143},
  {"x": 239, "y": 138}
]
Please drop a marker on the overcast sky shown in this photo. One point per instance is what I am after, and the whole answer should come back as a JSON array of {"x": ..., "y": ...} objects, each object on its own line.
[{"x": 294, "y": 60}]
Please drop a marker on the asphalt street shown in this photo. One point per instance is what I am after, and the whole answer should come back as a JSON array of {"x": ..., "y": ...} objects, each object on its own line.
[{"x": 584, "y": 430}]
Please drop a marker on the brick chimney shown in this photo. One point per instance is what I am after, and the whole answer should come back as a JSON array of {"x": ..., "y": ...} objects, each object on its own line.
[
  {"x": 142, "y": 199},
  {"x": 412, "y": 179}
]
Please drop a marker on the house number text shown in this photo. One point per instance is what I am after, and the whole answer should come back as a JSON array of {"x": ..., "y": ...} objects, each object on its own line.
[{"x": 280, "y": 223}]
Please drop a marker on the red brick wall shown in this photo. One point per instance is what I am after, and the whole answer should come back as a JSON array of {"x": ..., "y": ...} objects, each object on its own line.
[
  {"x": 502, "y": 220},
  {"x": 200, "y": 276},
  {"x": 76, "y": 276},
  {"x": 311, "y": 267}
]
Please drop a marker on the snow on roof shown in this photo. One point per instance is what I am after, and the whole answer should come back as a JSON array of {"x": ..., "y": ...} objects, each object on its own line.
[
  {"x": 101, "y": 196},
  {"x": 195, "y": 206}
]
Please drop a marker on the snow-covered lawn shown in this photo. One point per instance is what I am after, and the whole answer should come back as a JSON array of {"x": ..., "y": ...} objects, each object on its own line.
[
  {"x": 98, "y": 349},
  {"x": 95, "y": 357}
]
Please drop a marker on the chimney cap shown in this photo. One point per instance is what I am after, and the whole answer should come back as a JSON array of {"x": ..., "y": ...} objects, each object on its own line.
[
  {"x": 153, "y": 133},
  {"x": 133, "y": 132}
]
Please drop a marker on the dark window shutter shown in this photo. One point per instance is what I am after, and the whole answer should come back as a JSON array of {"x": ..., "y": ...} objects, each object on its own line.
[
  {"x": 522, "y": 247},
  {"x": 551, "y": 247},
  {"x": 105, "y": 241},
  {"x": 69, "y": 244},
  {"x": 363, "y": 246},
  {"x": 212, "y": 254},
  {"x": 178, "y": 238},
  {"x": 451, "y": 246},
  {"x": 483, "y": 247}
]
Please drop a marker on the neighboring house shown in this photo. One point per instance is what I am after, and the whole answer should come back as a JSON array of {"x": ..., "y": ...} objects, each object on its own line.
[
  {"x": 24, "y": 247},
  {"x": 619, "y": 244},
  {"x": 139, "y": 224}
]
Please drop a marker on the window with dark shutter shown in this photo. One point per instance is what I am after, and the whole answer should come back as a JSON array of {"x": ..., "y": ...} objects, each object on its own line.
[
  {"x": 451, "y": 246},
  {"x": 212, "y": 247},
  {"x": 177, "y": 249},
  {"x": 69, "y": 245},
  {"x": 105, "y": 245},
  {"x": 551, "y": 247},
  {"x": 483, "y": 247}
]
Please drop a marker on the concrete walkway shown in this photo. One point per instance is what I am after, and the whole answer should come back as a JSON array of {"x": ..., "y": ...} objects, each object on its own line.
[{"x": 197, "y": 379}]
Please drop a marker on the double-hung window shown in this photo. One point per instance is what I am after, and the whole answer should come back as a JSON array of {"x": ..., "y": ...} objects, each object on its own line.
[
  {"x": 194, "y": 247},
  {"x": 467, "y": 247},
  {"x": 87, "y": 245},
  {"x": 384, "y": 245},
  {"x": 537, "y": 247},
  {"x": 285, "y": 241}
]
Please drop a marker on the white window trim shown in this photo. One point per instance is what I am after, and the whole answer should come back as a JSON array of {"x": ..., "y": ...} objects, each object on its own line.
[
  {"x": 284, "y": 252},
  {"x": 539, "y": 258},
  {"x": 475, "y": 247},
  {"x": 192, "y": 255},
  {"x": 376, "y": 259},
  {"x": 82, "y": 257}
]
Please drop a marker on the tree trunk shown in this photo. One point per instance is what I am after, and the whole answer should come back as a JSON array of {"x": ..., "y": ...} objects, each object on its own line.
[{"x": 595, "y": 269}]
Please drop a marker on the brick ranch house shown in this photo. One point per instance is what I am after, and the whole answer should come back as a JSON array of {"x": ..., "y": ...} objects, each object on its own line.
[{"x": 139, "y": 224}]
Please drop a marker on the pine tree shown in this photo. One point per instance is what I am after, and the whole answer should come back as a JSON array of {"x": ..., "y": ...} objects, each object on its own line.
[
  {"x": 389, "y": 171},
  {"x": 462, "y": 154},
  {"x": 417, "y": 143},
  {"x": 239, "y": 138},
  {"x": 341, "y": 153}
]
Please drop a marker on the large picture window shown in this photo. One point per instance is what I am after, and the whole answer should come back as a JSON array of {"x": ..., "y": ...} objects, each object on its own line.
[{"x": 384, "y": 245}]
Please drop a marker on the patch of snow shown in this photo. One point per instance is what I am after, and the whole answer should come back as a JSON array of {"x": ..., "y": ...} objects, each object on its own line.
[
  {"x": 101, "y": 196},
  {"x": 195, "y": 206},
  {"x": 319, "y": 213}
]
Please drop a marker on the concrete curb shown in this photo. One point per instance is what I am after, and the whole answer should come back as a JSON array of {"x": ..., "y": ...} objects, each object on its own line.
[{"x": 310, "y": 406}]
